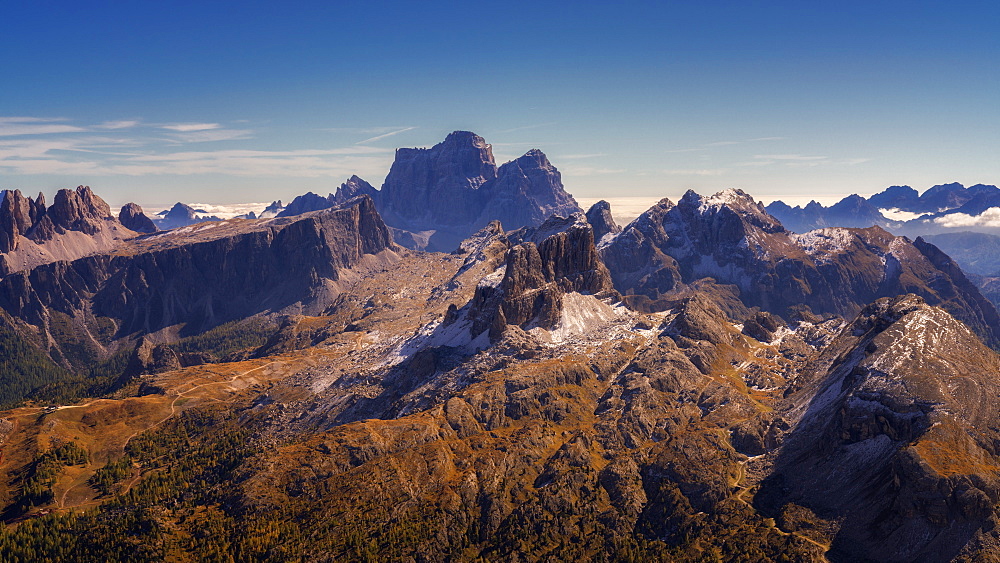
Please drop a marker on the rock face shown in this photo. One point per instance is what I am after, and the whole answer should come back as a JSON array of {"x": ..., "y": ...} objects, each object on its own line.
[
  {"x": 197, "y": 280},
  {"x": 731, "y": 239},
  {"x": 78, "y": 210},
  {"x": 18, "y": 215},
  {"x": 77, "y": 223},
  {"x": 132, "y": 217},
  {"x": 438, "y": 187},
  {"x": 599, "y": 217},
  {"x": 526, "y": 192},
  {"x": 894, "y": 437},
  {"x": 537, "y": 276}
]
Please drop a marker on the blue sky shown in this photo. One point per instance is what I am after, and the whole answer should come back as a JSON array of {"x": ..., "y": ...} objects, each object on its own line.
[{"x": 228, "y": 102}]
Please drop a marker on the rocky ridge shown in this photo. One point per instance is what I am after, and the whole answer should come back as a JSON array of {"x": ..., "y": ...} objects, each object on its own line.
[{"x": 76, "y": 224}]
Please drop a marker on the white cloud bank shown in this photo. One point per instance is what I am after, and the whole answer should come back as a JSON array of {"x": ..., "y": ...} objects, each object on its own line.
[{"x": 988, "y": 218}]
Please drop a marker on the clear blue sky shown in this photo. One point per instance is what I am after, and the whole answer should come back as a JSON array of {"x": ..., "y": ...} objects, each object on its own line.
[{"x": 244, "y": 101}]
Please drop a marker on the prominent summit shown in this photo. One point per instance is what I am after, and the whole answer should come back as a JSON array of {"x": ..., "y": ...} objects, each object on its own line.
[
  {"x": 437, "y": 187},
  {"x": 436, "y": 197},
  {"x": 455, "y": 188}
]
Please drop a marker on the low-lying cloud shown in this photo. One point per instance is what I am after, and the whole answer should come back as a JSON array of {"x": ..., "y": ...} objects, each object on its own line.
[{"x": 988, "y": 218}]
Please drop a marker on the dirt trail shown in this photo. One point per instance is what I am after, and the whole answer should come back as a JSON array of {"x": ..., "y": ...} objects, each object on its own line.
[
  {"x": 83, "y": 478},
  {"x": 184, "y": 395}
]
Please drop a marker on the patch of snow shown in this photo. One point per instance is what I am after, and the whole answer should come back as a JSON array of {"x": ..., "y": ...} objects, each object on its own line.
[
  {"x": 730, "y": 197},
  {"x": 580, "y": 314},
  {"x": 493, "y": 279},
  {"x": 824, "y": 243}
]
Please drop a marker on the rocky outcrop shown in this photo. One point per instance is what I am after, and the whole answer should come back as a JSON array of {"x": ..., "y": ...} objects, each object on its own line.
[
  {"x": 526, "y": 192},
  {"x": 436, "y": 197},
  {"x": 78, "y": 210},
  {"x": 535, "y": 279},
  {"x": 72, "y": 210},
  {"x": 76, "y": 224},
  {"x": 18, "y": 214},
  {"x": 132, "y": 217},
  {"x": 895, "y": 437},
  {"x": 305, "y": 203},
  {"x": 599, "y": 217},
  {"x": 272, "y": 210},
  {"x": 353, "y": 187}
]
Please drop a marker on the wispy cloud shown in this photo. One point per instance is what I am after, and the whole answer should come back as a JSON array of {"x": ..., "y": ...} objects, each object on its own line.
[
  {"x": 124, "y": 124},
  {"x": 800, "y": 160},
  {"x": 526, "y": 127},
  {"x": 27, "y": 119},
  {"x": 726, "y": 143},
  {"x": 210, "y": 135},
  {"x": 590, "y": 171},
  {"x": 797, "y": 157},
  {"x": 187, "y": 127},
  {"x": 312, "y": 163},
  {"x": 23, "y": 125},
  {"x": 695, "y": 172},
  {"x": 384, "y": 135},
  {"x": 579, "y": 156},
  {"x": 138, "y": 148}
]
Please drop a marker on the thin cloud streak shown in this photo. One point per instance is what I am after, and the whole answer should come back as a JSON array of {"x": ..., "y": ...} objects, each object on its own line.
[
  {"x": 211, "y": 135},
  {"x": 526, "y": 127},
  {"x": 188, "y": 127},
  {"x": 114, "y": 125},
  {"x": 383, "y": 136},
  {"x": 16, "y": 129}
]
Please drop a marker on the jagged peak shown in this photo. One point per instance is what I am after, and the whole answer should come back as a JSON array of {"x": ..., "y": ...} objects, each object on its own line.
[
  {"x": 465, "y": 137},
  {"x": 554, "y": 225},
  {"x": 734, "y": 198}
]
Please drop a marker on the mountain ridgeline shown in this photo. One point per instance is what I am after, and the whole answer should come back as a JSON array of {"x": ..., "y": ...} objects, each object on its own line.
[
  {"x": 901, "y": 209},
  {"x": 463, "y": 365}
]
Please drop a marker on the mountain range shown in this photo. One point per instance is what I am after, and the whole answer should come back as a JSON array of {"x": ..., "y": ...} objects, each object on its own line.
[{"x": 464, "y": 365}]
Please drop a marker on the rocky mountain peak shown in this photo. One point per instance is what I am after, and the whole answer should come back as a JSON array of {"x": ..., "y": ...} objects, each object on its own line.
[
  {"x": 305, "y": 203},
  {"x": 734, "y": 201},
  {"x": 353, "y": 187},
  {"x": 437, "y": 187},
  {"x": 895, "y": 197},
  {"x": 535, "y": 279},
  {"x": 599, "y": 217},
  {"x": 272, "y": 210},
  {"x": 18, "y": 214},
  {"x": 73, "y": 210},
  {"x": 132, "y": 217}
]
